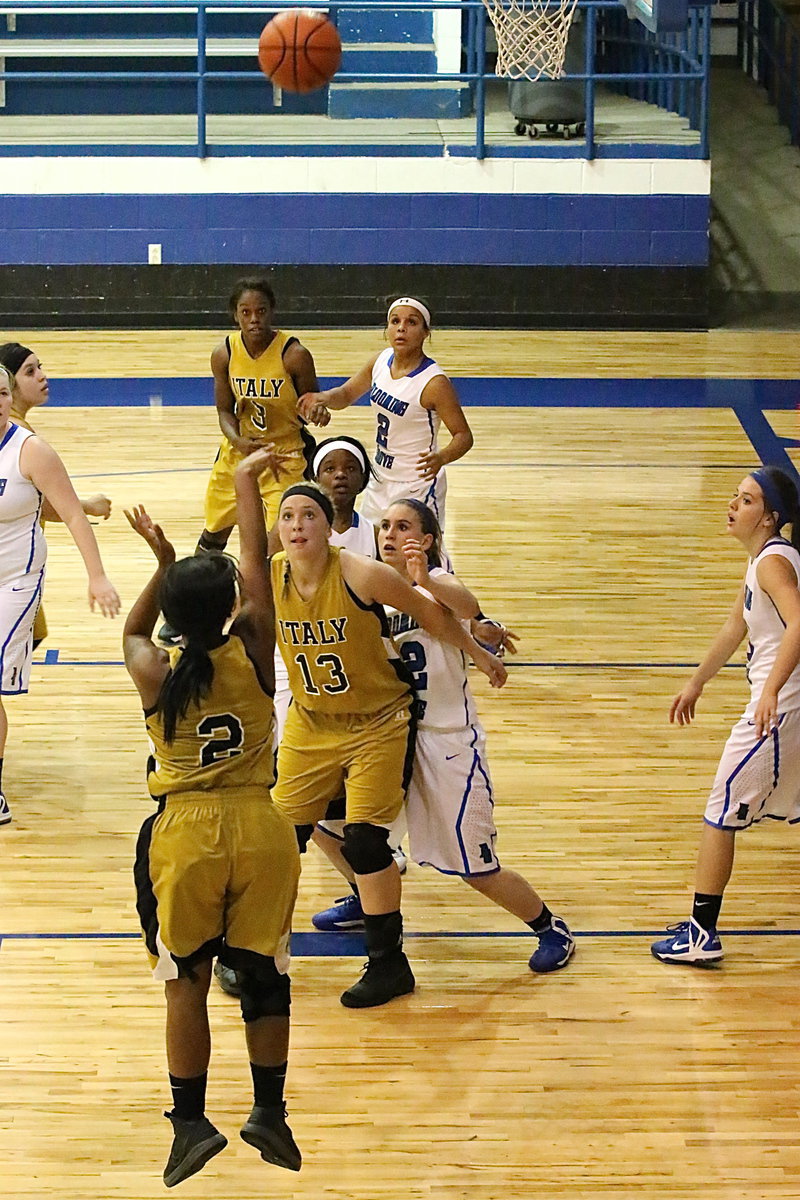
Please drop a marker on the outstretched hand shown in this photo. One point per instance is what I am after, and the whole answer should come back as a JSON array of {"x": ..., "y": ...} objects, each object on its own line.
[
  {"x": 141, "y": 523},
  {"x": 416, "y": 562},
  {"x": 265, "y": 458},
  {"x": 491, "y": 666},
  {"x": 103, "y": 594},
  {"x": 311, "y": 408},
  {"x": 681, "y": 711},
  {"x": 493, "y": 636}
]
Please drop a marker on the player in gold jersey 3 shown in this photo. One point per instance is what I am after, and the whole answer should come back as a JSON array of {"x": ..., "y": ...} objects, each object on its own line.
[
  {"x": 217, "y": 866},
  {"x": 351, "y": 724},
  {"x": 259, "y": 372}
]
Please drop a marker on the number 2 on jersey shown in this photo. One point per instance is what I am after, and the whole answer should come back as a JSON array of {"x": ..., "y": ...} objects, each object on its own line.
[
  {"x": 382, "y": 435},
  {"x": 225, "y": 736}
]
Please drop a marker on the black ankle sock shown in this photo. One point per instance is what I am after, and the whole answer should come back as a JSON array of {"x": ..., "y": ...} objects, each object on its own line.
[
  {"x": 383, "y": 934},
  {"x": 268, "y": 1084},
  {"x": 354, "y": 887},
  {"x": 541, "y": 922},
  {"x": 1, "y": 774},
  {"x": 189, "y": 1096},
  {"x": 705, "y": 910}
]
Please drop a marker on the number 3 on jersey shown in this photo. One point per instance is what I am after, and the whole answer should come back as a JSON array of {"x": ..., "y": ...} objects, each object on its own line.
[{"x": 333, "y": 667}]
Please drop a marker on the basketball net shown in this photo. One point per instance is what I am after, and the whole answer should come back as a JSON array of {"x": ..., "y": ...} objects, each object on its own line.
[{"x": 531, "y": 36}]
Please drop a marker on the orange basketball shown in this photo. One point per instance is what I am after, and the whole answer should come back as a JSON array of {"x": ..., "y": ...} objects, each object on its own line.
[{"x": 299, "y": 50}]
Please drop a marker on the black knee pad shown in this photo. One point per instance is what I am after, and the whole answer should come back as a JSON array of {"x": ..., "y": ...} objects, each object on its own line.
[
  {"x": 265, "y": 991},
  {"x": 213, "y": 541},
  {"x": 303, "y": 834},
  {"x": 366, "y": 848}
]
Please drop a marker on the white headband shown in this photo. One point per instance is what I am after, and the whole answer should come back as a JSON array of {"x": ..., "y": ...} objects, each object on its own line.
[
  {"x": 328, "y": 447},
  {"x": 417, "y": 304}
]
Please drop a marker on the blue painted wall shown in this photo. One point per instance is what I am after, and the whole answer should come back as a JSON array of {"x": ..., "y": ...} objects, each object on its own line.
[{"x": 345, "y": 228}]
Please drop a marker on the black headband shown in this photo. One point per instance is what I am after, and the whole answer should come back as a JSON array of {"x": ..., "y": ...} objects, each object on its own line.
[
  {"x": 315, "y": 494},
  {"x": 13, "y": 355}
]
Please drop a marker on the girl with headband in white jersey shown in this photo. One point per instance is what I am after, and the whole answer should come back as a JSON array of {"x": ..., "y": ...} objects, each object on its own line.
[
  {"x": 450, "y": 802},
  {"x": 759, "y": 773},
  {"x": 412, "y": 397},
  {"x": 30, "y": 474}
]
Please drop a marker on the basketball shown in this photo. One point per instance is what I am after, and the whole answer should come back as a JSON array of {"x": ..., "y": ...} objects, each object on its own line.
[{"x": 299, "y": 50}]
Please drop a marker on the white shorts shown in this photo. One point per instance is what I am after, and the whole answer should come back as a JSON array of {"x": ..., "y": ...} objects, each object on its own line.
[
  {"x": 19, "y": 604},
  {"x": 379, "y": 495},
  {"x": 450, "y": 806},
  {"x": 757, "y": 778}
]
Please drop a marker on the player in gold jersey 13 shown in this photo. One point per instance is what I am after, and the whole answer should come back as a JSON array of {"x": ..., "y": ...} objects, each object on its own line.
[
  {"x": 351, "y": 725},
  {"x": 217, "y": 865}
]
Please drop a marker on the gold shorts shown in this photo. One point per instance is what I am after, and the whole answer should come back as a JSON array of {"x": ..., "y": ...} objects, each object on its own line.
[
  {"x": 216, "y": 870},
  {"x": 220, "y": 502},
  {"x": 368, "y": 757}
]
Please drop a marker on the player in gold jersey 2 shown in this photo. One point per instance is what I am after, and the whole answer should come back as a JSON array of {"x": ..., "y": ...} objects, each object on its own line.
[
  {"x": 259, "y": 372},
  {"x": 351, "y": 725},
  {"x": 217, "y": 866}
]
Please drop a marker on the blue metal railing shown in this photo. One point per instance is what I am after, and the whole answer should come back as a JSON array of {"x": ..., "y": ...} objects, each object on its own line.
[
  {"x": 668, "y": 70},
  {"x": 768, "y": 46}
]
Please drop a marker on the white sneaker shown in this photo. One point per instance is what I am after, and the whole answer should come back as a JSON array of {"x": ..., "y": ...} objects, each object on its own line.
[
  {"x": 5, "y": 811},
  {"x": 399, "y": 857}
]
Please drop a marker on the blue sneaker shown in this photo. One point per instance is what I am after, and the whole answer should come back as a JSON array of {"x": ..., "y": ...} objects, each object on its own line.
[
  {"x": 344, "y": 915},
  {"x": 556, "y": 948},
  {"x": 688, "y": 943}
]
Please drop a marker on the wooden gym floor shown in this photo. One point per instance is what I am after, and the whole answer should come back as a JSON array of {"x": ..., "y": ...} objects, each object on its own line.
[{"x": 597, "y": 532}]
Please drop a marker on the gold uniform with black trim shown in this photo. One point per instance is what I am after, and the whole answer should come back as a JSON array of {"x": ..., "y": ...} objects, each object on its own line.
[
  {"x": 350, "y": 723},
  {"x": 266, "y": 409},
  {"x": 217, "y": 866},
  {"x": 40, "y": 620}
]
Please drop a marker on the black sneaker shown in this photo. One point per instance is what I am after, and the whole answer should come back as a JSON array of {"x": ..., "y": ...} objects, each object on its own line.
[
  {"x": 383, "y": 979},
  {"x": 195, "y": 1142},
  {"x": 169, "y": 636},
  {"x": 227, "y": 979},
  {"x": 266, "y": 1129},
  {"x": 5, "y": 811}
]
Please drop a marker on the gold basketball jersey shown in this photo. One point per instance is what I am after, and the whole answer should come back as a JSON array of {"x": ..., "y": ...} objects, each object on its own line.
[
  {"x": 266, "y": 400},
  {"x": 226, "y": 740},
  {"x": 338, "y": 651}
]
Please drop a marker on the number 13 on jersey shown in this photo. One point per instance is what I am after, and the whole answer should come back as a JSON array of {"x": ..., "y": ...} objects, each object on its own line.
[{"x": 330, "y": 667}]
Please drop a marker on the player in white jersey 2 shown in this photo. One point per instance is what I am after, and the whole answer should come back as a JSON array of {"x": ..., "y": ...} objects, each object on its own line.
[
  {"x": 411, "y": 397},
  {"x": 450, "y": 803},
  {"x": 30, "y": 473},
  {"x": 759, "y": 772}
]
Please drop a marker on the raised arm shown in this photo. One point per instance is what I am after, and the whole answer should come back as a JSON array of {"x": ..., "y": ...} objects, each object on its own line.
[
  {"x": 441, "y": 397},
  {"x": 146, "y": 663},
  {"x": 40, "y": 463},
  {"x": 725, "y": 643},
  {"x": 374, "y": 581},
  {"x": 312, "y": 404}
]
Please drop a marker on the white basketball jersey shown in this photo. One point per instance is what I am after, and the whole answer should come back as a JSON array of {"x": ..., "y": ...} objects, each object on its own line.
[
  {"x": 360, "y": 537},
  {"x": 22, "y": 544},
  {"x": 766, "y": 630},
  {"x": 439, "y": 671},
  {"x": 404, "y": 428}
]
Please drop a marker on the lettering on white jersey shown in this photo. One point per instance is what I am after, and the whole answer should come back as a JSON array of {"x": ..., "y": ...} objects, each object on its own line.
[
  {"x": 3, "y": 483},
  {"x": 325, "y": 632},
  {"x": 390, "y": 403},
  {"x": 400, "y": 622}
]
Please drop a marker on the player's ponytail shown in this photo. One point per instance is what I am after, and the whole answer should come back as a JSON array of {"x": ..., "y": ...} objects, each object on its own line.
[
  {"x": 786, "y": 489},
  {"x": 197, "y": 596}
]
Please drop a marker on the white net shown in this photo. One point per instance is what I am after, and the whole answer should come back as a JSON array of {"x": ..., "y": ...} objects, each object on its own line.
[{"x": 531, "y": 36}]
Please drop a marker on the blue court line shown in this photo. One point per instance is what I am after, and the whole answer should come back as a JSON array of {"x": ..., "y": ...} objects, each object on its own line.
[
  {"x": 52, "y": 659},
  {"x": 520, "y": 392},
  {"x": 348, "y": 945}
]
